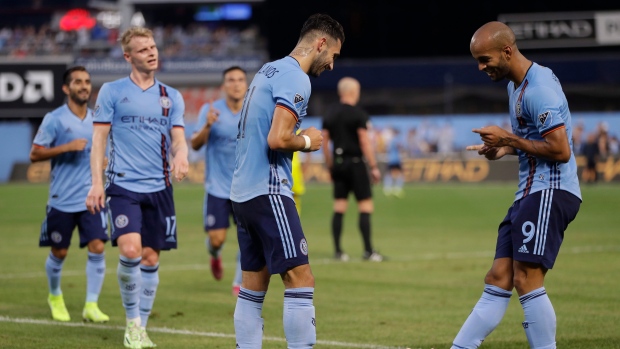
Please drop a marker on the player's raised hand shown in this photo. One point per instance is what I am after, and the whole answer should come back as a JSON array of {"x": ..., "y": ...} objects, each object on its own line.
[
  {"x": 316, "y": 138},
  {"x": 77, "y": 144},
  {"x": 179, "y": 167},
  {"x": 95, "y": 200},
  {"x": 212, "y": 115},
  {"x": 493, "y": 136}
]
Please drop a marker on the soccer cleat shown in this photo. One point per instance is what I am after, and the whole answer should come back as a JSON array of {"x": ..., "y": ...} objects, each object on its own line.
[
  {"x": 235, "y": 290},
  {"x": 58, "y": 308},
  {"x": 341, "y": 256},
  {"x": 145, "y": 340},
  {"x": 216, "y": 268},
  {"x": 91, "y": 313},
  {"x": 133, "y": 336},
  {"x": 373, "y": 256},
  {"x": 399, "y": 193}
]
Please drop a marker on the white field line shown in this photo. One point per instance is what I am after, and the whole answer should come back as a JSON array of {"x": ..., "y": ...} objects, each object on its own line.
[
  {"x": 184, "y": 332},
  {"x": 425, "y": 256}
]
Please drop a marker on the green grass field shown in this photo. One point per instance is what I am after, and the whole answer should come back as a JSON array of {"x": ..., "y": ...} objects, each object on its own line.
[{"x": 439, "y": 239}]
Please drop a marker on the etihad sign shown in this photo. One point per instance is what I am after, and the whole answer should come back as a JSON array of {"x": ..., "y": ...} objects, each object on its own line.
[{"x": 564, "y": 29}]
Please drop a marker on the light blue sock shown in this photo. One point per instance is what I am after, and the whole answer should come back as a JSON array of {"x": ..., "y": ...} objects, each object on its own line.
[
  {"x": 387, "y": 183},
  {"x": 238, "y": 274},
  {"x": 484, "y": 318},
  {"x": 53, "y": 269},
  {"x": 248, "y": 320},
  {"x": 95, "y": 273},
  {"x": 150, "y": 280},
  {"x": 540, "y": 323},
  {"x": 400, "y": 181},
  {"x": 130, "y": 283},
  {"x": 298, "y": 318}
]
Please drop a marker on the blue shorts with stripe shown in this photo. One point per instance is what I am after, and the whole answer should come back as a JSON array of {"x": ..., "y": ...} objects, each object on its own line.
[
  {"x": 217, "y": 212},
  {"x": 533, "y": 229},
  {"x": 57, "y": 228},
  {"x": 150, "y": 214},
  {"x": 269, "y": 233}
]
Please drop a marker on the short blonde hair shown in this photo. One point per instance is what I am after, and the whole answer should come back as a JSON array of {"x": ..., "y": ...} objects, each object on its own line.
[{"x": 132, "y": 33}]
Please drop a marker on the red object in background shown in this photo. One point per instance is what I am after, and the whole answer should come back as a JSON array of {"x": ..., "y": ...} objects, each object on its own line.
[{"x": 76, "y": 19}]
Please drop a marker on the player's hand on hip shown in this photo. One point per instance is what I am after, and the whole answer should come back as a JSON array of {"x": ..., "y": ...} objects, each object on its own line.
[
  {"x": 95, "y": 200},
  {"x": 316, "y": 138},
  {"x": 179, "y": 168}
]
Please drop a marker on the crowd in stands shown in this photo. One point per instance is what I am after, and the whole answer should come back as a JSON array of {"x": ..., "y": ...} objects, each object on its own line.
[{"x": 194, "y": 40}]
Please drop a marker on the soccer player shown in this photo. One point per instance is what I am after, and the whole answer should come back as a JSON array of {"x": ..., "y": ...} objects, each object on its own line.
[
  {"x": 548, "y": 197},
  {"x": 144, "y": 120},
  {"x": 394, "y": 180},
  {"x": 269, "y": 230},
  {"x": 348, "y": 160},
  {"x": 65, "y": 137},
  {"x": 217, "y": 123}
]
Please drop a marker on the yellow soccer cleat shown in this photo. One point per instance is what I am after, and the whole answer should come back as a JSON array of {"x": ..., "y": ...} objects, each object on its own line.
[
  {"x": 91, "y": 313},
  {"x": 132, "y": 336},
  {"x": 58, "y": 308},
  {"x": 145, "y": 340}
]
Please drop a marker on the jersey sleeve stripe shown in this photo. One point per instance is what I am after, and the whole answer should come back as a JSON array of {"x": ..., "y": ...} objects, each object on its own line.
[
  {"x": 285, "y": 107},
  {"x": 178, "y": 126},
  {"x": 557, "y": 127},
  {"x": 101, "y": 123}
]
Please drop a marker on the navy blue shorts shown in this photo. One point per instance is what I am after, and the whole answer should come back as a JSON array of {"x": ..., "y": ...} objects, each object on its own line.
[
  {"x": 150, "y": 214},
  {"x": 269, "y": 233},
  {"x": 217, "y": 212},
  {"x": 57, "y": 228},
  {"x": 533, "y": 229}
]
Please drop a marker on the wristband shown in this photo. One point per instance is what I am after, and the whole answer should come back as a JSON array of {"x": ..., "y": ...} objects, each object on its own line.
[{"x": 307, "y": 147}]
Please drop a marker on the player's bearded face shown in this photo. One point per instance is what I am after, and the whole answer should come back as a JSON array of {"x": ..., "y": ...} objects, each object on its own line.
[
  {"x": 80, "y": 87},
  {"x": 321, "y": 63},
  {"x": 499, "y": 71}
]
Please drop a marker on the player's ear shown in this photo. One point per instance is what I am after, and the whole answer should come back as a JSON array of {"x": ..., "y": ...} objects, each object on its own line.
[
  {"x": 65, "y": 89},
  {"x": 321, "y": 44}
]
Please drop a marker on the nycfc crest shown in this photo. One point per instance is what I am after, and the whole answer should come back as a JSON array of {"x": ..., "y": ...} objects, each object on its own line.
[
  {"x": 121, "y": 221},
  {"x": 56, "y": 237},
  {"x": 165, "y": 102},
  {"x": 303, "y": 246}
]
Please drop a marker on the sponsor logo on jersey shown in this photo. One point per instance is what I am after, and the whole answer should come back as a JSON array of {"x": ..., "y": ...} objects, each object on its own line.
[{"x": 125, "y": 100}]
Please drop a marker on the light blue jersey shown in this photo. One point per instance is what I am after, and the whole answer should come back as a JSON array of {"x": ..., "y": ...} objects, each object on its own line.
[
  {"x": 393, "y": 151},
  {"x": 538, "y": 107},
  {"x": 220, "y": 152},
  {"x": 141, "y": 121},
  {"x": 258, "y": 169},
  {"x": 70, "y": 176}
]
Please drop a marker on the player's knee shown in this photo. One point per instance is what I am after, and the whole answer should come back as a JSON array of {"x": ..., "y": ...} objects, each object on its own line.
[
  {"x": 60, "y": 253},
  {"x": 217, "y": 238},
  {"x": 96, "y": 246}
]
